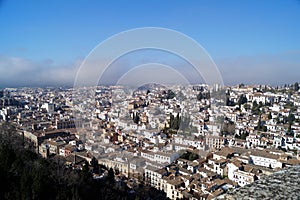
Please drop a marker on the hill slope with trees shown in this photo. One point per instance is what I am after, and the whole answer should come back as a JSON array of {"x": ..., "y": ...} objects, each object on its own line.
[{"x": 26, "y": 175}]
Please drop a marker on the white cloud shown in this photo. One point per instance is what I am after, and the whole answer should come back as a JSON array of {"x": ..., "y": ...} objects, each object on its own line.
[
  {"x": 16, "y": 71},
  {"x": 261, "y": 69}
]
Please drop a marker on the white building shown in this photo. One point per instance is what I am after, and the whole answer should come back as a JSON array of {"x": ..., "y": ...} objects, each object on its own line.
[
  {"x": 263, "y": 158},
  {"x": 243, "y": 178},
  {"x": 160, "y": 157}
]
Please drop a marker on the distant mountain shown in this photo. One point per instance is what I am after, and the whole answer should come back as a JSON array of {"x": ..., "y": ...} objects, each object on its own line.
[{"x": 150, "y": 86}]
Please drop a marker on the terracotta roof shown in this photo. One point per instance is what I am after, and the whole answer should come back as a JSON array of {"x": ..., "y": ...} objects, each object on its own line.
[
  {"x": 225, "y": 151},
  {"x": 262, "y": 153},
  {"x": 293, "y": 161}
]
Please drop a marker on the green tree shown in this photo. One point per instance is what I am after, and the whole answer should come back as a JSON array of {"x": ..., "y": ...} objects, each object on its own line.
[
  {"x": 296, "y": 86},
  {"x": 193, "y": 156},
  {"x": 242, "y": 100},
  {"x": 111, "y": 176},
  {"x": 177, "y": 121},
  {"x": 25, "y": 185},
  {"x": 94, "y": 163},
  {"x": 269, "y": 115},
  {"x": 259, "y": 125},
  {"x": 170, "y": 94},
  {"x": 136, "y": 118},
  {"x": 85, "y": 172},
  {"x": 200, "y": 96},
  {"x": 247, "y": 106},
  {"x": 291, "y": 118},
  {"x": 254, "y": 104}
]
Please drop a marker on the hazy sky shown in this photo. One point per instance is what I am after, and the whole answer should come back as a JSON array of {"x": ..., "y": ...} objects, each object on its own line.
[{"x": 44, "y": 42}]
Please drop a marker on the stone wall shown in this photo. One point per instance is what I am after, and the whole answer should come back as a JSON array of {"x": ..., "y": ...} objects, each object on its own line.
[{"x": 284, "y": 184}]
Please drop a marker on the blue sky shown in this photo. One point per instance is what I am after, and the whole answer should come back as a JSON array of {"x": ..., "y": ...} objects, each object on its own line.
[{"x": 37, "y": 36}]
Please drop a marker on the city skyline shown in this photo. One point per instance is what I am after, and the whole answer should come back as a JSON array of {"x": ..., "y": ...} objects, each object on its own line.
[{"x": 251, "y": 42}]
